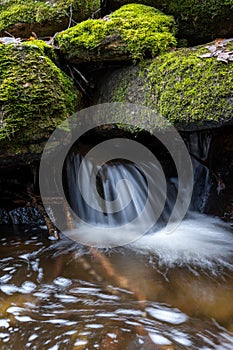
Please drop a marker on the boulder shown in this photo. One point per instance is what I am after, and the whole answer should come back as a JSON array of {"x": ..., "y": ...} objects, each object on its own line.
[
  {"x": 20, "y": 18},
  {"x": 199, "y": 21},
  {"x": 35, "y": 96},
  {"x": 130, "y": 33},
  {"x": 191, "y": 87}
]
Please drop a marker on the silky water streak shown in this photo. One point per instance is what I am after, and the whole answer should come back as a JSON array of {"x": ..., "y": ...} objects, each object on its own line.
[{"x": 144, "y": 217}]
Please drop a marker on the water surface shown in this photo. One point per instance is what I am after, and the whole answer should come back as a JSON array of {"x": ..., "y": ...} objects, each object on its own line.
[{"x": 59, "y": 295}]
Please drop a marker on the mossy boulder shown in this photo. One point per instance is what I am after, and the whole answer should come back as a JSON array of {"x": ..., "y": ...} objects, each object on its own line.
[
  {"x": 132, "y": 32},
  {"x": 189, "y": 90},
  {"x": 35, "y": 96},
  {"x": 198, "y": 21},
  {"x": 45, "y": 18}
]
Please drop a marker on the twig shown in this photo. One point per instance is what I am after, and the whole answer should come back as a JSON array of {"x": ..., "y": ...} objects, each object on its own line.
[
  {"x": 95, "y": 13},
  {"x": 71, "y": 20},
  {"x": 5, "y": 31},
  {"x": 76, "y": 81},
  {"x": 70, "y": 16},
  {"x": 81, "y": 75},
  {"x": 51, "y": 42}
]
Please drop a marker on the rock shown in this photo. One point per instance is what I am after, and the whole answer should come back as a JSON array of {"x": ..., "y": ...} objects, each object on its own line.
[
  {"x": 221, "y": 192},
  {"x": 35, "y": 96},
  {"x": 45, "y": 18},
  {"x": 199, "y": 21},
  {"x": 190, "y": 91},
  {"x": 132, "y": 32}
]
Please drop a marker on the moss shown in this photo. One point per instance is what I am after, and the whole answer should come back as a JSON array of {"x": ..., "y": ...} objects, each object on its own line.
[
  {"x": 198, "y": 20},
  {"x": 133, "y": 31},
  {"x": 45, "y": 49},
  {"x": 42, "y": 11},
  {"x": 35, "y": 95},
  {"x": 180, "y": 86},
  {"x": 190, "y": 89}
]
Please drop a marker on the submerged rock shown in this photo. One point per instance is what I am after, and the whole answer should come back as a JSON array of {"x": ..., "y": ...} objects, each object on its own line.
[
  {"x": 190, "y": 91},
  {"x": 35, "y": 96},
  {"x": 26, "y": 216},
  {"x": 199, "y": 21},
  {"x": 132, "y": 32},
  {"x": 45, "y": 18}
]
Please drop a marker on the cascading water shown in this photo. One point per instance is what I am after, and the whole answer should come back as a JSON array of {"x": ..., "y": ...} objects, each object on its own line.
[
  {"x": 132, "y": 192},
  {"x": 201, "y": 240}
]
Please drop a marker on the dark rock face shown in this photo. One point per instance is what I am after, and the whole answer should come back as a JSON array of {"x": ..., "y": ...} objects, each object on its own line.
[
  {"x": 123, "y": 84},
  {"x": 211, "y": 152},
  {"x": 221, "y": 162}
]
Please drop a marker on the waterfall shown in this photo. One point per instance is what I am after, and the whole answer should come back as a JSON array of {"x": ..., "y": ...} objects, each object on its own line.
[
  {"x": 120, "y": 180},
  {"x": 199, "y": 239}
]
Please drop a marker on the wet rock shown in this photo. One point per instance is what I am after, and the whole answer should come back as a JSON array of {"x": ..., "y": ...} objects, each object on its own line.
[
  {"x": 221, "y": 165},
  {"x": 26, "y": 216},
  {"x": 4, "y": 217}
]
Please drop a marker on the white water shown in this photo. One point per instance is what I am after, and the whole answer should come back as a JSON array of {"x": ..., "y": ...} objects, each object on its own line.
[{"x": 198, "y": 240}]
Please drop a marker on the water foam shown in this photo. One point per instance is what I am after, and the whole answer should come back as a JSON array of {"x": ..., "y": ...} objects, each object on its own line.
[{"x": 200, "y": 240}]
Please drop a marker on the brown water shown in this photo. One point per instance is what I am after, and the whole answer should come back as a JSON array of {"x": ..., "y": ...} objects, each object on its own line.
[{"x": 63, "y": 296}]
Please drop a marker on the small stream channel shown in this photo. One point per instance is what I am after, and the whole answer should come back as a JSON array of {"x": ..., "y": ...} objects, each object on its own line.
[{"x": 160, "y": 292}]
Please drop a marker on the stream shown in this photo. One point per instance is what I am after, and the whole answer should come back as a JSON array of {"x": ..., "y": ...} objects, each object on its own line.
[
  {"x": 162, "y": 290},
  {"x": 60, "y": 295}
]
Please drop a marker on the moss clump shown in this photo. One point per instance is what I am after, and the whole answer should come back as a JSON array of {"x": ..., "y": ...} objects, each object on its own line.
[
  {"x": 53, "y": 14},
  {"x": 190, "y": 89},
  {"x": 133, "y": 31},
  {"x": 198, "y": 20},
  {"x": 180, "y": 86},
  {"x": 35, "y": 95}
]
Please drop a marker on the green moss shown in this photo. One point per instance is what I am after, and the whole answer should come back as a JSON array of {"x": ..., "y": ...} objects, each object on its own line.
[
  {"x": 198, "y": 20},
  {"x": 180, "y": 86},
  {"x": 187, "y": 8},
  {"x": 183, "y": 8},
  {"x": 41, "y": 11},
  {"x": 35, "y": 95},
  {"x": 45, "y": 49},
  {"x": 137, "y": 31},
  {"x": 190, "y": 89}
]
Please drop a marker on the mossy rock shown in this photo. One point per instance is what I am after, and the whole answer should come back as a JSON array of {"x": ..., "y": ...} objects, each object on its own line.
[
  {"x": 20, "y": 18},
  {"x": 198, "y": 21},
  {"x": 35, "y": 96},
  {"x": 190, "y": 91},
  {"x": 132, "y": 32}
]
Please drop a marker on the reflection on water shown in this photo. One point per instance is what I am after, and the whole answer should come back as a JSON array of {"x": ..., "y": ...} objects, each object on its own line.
[{"x": 62, "y": 296}]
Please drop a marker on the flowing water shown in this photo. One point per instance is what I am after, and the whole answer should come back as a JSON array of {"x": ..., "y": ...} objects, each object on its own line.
[
  {"x": 161, "y": 291},
  {"x": 64, "y": 296}
]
